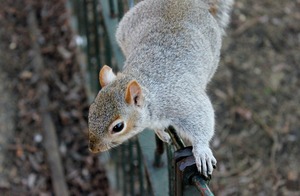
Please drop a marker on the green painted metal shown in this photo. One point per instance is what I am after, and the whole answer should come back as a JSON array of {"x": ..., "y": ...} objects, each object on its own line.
[
  {"x": 140, "y": 172},
  {"x": 158, "y": 177},
  {"x": 121, "y": 9},
  {"x": 92, "y": 38},
  {"x": 201, "y": 185},
  {"x": 96, "y": 39},
  {"x": 117, "y": 168},
  {"x": 110, "y": 25},
  {"x": 108, "y": 51},
  {"x": 87, "y": 34},
  {"x": 171, "y": 170},
  {"x": 158, "y": 152},
  {"x": 124, "y": 168},
  {"x": 131, "y": 168}
]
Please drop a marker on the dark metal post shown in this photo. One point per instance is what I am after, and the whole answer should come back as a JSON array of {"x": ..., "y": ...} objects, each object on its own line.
[
  {"x": 177, "y": 141},
  {"x": 112, "y": 8},
  {"x": 201, "y": 185},
  {"x": 140, "y": 170},
  {"x": 96, "y": 41},
  {"x": 158, "y": 152},
  {"x": 131, "y": 167},
  {"x": 120, "y": 9},
  {"x": 88, "y": 39},
  {"x": 186, "y": 172},
  {"x": 171, "y": 169},
  {"x": 123, "y": 161}
]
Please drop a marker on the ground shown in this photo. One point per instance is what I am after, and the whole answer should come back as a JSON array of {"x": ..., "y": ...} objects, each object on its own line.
[
  {"x": 255, "y": 93},
  {"x": 27, "y": 60},
  {"x": 256, "y": 96}
]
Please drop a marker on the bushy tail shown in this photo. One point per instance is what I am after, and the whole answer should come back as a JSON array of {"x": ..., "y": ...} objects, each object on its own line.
[{"x": 221, "y": 10}]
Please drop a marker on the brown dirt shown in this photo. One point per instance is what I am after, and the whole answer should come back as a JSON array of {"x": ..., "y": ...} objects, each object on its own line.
[
  {"x": 256, "y": 95},
  {"x": 25, "y": 162}
]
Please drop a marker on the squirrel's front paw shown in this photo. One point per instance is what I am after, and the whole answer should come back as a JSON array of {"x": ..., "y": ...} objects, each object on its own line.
[
  {"x": 205, "y": 160},
  {"x": 163, "y": 136}
]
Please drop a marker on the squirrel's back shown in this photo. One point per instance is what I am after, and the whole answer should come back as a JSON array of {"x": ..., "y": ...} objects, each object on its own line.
[
  {"x": 173, "y": 37},
  {"x": 136, "y": 20}
]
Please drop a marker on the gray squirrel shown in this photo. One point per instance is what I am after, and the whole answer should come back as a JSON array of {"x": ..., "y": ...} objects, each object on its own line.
[{"x": 172, "y": 50}]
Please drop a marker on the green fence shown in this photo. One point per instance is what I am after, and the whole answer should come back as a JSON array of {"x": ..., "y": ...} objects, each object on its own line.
[{"x": 143, "y": 165}]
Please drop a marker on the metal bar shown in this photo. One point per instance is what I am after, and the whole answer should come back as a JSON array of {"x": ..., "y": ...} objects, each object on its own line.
[
  {"x": 76, "y": 11},
  {"x": 140, "y": 170},
  {"x": 120, "y": 9},
  {"x": 158, "y": 152},
  {"x": 131, "y": 169},
  {"x": 108, "y": 52},
  {"x": 112, "y": 8},
  {"x": 88, "y": 47},
  {"x": 177, "y": 141},
  {"x": 178, "y": 181},
  {"x": 111, "y": 24},
  {"x": 124, "y": 158},
  {"x": 196, "y": 180},
  {"x": 117, "y": 167},
  {"x": 201, "y": 185},
  {"x": 96, "y": 41},
  {"x": 171, "y": 170},
  {"x": 158, "y": 177}
]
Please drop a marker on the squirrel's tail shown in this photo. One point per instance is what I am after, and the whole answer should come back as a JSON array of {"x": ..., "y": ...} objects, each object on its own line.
[{"x": 221, "y": 10}]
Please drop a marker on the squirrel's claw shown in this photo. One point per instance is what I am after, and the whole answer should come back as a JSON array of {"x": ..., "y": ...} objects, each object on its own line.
[
  {"x": 163, "y": 136},
  {"x": 205, "y": 160}
]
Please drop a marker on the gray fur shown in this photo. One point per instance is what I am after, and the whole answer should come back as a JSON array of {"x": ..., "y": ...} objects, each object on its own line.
[
  {"x": 172, "y": 50},
  {"x": 223, "y": 12}
]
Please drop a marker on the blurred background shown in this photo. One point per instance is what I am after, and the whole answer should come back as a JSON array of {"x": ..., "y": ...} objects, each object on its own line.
[{"x": 49, "y": 62}]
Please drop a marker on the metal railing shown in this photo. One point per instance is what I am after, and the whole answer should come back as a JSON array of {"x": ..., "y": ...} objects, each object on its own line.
[{"x": 144, "y": 165}]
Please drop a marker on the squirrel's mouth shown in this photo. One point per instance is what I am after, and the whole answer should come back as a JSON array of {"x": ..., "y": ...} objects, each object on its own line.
[
  {"x": 95, "y": 145},
  {"x": 95, "y": 148}
]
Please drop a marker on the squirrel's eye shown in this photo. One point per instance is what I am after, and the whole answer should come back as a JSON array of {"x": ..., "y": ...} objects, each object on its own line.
[{"x": 118, "y": 127}]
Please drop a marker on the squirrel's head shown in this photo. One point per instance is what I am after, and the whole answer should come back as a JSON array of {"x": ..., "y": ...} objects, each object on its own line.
[{"x": 116, "y": 114}]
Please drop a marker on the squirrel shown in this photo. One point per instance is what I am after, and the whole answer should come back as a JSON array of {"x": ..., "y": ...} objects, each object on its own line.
[{"x": 172, "y": 50}]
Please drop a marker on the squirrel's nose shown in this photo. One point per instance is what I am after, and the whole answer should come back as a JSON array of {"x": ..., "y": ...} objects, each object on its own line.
[
  {"x": 94, "y": 142},
  {"x": 93, "y": 148},
  {"x": 97, "y": 147}
]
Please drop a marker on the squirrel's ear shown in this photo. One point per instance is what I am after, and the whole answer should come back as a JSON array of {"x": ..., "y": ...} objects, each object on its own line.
[
  {"x": 106, "y": 76},
  {"x": 133, "y": 94}
]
